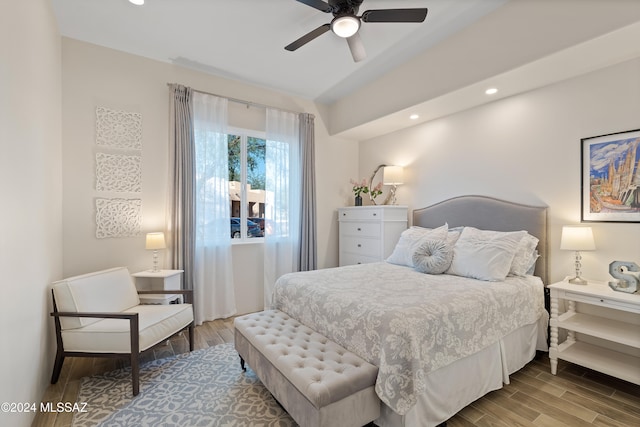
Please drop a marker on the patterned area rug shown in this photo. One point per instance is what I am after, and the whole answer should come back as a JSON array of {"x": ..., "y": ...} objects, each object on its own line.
[{"x": 203, "y": 388}]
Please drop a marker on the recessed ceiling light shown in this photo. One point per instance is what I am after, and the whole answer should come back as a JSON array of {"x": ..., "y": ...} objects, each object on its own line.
[
  {"x": 137, "y": 2},
  {"x": 414, "y": 116},
  {"x": 491, "y": 91}
]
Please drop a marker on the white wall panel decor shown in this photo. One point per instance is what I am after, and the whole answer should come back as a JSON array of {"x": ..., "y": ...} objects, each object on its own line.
[
  {"x": 118, "y": 129},
  {"x": 118, "y": 217},
  {"x": 118, "y": 173}
]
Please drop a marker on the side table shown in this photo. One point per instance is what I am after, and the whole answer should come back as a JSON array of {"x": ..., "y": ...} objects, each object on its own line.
[
  {"x": 619, "y": 355},
  {"x": 162, "y": 280}
]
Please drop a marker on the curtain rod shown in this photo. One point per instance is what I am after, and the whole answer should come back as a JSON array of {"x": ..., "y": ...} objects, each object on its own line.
[{"x": 241, "y": 101}]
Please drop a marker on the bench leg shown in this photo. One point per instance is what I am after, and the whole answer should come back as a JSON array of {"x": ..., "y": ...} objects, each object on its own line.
[{"x": 244, "y": 369}]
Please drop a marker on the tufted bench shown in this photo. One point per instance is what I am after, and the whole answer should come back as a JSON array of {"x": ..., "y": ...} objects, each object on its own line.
[{"x": 317, "y": 381}]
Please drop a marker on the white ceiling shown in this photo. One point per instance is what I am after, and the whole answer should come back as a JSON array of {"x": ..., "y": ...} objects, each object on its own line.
[
  {"x": 245, "y": 39},
  {"x": 434, "y": 68}
]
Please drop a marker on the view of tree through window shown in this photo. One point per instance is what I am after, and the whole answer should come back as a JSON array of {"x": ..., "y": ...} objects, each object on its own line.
[{"x": 247, "y": 153}]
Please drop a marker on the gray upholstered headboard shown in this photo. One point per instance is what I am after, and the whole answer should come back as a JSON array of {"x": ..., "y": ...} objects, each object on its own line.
[{"x": 488, "y": 213}]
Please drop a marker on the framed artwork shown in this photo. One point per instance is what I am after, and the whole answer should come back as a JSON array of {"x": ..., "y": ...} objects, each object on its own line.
[{"x": 611, "y": 177}]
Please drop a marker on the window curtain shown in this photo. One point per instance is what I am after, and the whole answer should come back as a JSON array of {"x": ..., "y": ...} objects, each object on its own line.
[
  {"x": 308, "y": 257},
  {"x": 290, "y": 236},
  {"x": 213, "y": 267},
  {"x": 198, "y": 229},
  {"x": 180, "y": 200}
]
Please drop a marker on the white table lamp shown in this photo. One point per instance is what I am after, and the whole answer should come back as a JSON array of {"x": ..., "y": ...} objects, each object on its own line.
[
  {"x": 392, "y": 175},
  {"x": 155, "y": 241},
  {"x": 576, "y": 238}
]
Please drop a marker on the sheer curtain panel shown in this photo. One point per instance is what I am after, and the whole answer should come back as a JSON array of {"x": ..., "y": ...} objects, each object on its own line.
[
  {"x": 213, "y": 268},
  {"x": 282, "y": 207}
]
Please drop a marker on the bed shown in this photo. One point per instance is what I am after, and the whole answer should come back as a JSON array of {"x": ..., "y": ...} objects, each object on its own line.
[{"x": 430, "y": 333}]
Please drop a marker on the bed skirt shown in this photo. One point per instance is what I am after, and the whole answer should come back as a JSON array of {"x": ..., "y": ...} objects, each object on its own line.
[{"x": 449, "y": 389}]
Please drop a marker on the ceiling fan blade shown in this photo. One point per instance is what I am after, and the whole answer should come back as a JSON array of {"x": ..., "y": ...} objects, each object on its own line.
[
  {"x": 308, "y": 37},
  {"x": 395, "y": 15},
  {"x": 356, "y": 47},
  {"x": 318, "y": 4}
]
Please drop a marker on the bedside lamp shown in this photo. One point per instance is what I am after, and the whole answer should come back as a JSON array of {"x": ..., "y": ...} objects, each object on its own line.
[
  {"x": 392, "y": 175},
  {"x": 577, "y": 239},
  {"x": 154, "y": 242}
]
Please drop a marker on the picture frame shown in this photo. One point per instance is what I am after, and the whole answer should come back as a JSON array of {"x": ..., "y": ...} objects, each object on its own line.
[{"x": 610, "y": 177}]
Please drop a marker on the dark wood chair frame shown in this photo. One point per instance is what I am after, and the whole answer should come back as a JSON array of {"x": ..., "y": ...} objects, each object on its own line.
[{"x": 134, "y": 331}]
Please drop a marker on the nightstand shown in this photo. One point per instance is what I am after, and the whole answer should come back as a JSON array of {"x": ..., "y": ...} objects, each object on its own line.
[
  {"x": 166, "y": 280},
  {"x": 603, "y": 329}
]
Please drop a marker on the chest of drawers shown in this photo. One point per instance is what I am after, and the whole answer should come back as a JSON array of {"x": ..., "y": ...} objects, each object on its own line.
[{"x": 369, "y": 233}]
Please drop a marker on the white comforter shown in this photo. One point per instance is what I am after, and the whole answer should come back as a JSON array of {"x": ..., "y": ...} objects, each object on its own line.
[{"x": 407, "y": 323}]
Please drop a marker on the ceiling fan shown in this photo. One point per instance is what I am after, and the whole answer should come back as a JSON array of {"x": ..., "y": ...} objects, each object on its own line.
[{"x": 346, "y": 23}]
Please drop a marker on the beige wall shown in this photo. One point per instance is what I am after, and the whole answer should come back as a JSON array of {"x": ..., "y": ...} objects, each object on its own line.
[
  {"x": 524, "y": 148},
  {"x": 96, "y": 76},
  {"x": 31, "y": 191}
]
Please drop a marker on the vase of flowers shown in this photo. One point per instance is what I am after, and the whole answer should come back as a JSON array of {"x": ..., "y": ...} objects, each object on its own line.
[
  {"x": 361, "y": 187},
  {"x": 358, "y": 189}
]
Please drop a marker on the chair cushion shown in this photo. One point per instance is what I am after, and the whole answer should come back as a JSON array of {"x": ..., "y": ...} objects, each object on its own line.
[
  {"x": 156, "y": 323},
  {"x": 103, "y": 291}
]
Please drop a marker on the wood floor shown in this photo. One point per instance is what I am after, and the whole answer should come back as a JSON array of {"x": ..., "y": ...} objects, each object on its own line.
[{"x": 575, "y": 397}]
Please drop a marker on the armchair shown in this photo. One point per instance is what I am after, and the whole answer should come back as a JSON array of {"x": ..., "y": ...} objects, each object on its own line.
[{"x": 99, "y": 315}]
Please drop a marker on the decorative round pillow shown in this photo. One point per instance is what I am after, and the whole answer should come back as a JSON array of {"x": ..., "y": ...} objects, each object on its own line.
[{"x": 433, "y": 256}]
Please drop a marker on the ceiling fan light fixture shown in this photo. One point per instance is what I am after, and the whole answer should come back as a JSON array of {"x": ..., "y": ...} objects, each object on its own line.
[
  {"x": 345, "y": 26},
  {"x": 137, "y": 2}
]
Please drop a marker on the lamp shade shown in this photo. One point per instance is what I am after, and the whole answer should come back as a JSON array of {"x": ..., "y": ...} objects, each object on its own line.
[
  {"x": 392, "y": 175},
  {"x": 155, "y": 241},
  {"x": 577, "y": 239}
]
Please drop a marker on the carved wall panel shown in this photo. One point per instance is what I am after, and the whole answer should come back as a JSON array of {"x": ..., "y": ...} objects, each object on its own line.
[
  {"x": 118, "y": 173},
  {"x": 118, "y": 129},
  {"x": 118, "y": 217}
]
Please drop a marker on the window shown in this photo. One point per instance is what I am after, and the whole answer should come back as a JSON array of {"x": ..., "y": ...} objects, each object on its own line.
[{"x": 246, "y": 183}]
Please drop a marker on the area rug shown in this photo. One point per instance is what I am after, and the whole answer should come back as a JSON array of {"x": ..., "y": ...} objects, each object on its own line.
[{"x": 202, "y": 388}]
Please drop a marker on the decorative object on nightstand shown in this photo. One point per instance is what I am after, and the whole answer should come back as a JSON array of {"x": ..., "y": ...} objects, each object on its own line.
[
  {"x": 577, "y": 238},
  {"x": 607, "y": 324},
  {"x": 154, "y": 242},
  {"x": 369, "y": 233},
  {"x": 627, "y": 275},
  {"x": 393, "y": 176}
]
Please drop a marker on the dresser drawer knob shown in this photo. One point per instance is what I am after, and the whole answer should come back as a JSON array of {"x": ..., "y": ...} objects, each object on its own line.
[
  {"x": 359, "y": 229},
  {"x": 359, "y": 245}
]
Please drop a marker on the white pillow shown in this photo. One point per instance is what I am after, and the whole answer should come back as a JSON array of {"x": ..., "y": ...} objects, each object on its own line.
[
  {"x": 411, "y": 239},
  {"x": 453, "y": 235},
  {"x": 532, "y": 267},
  {"x": 525, "y": 255},
  {"x": 483, "y": 254}
]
